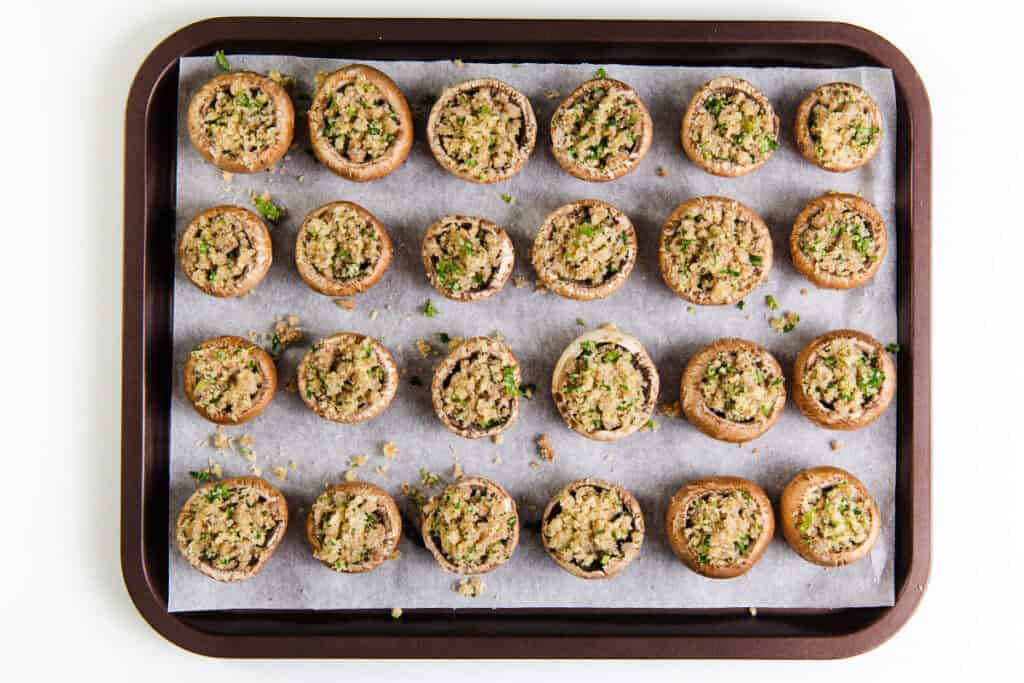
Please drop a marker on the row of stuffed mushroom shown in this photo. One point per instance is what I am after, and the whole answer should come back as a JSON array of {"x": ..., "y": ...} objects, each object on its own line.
[{"x": 718, "y": 527}]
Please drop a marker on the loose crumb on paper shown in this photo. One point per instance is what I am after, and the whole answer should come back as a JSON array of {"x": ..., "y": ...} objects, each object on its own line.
[
  {"x": 396, "y": 612},
  {"x": 390, "y": 450},
  {"x": 470, "y": 587},
  {"x": 519, "y": 281},
  {"x": 347, "y": 304},
  {"x": 545, "y": 449},
  {"x": 835, "y": 444}
]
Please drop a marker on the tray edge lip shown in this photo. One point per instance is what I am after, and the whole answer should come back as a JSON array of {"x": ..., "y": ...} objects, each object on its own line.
[{"x": 152, "y": 610}]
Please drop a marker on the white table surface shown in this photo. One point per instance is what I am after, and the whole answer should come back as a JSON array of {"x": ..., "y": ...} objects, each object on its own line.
[{"x": 64, "y": 610}]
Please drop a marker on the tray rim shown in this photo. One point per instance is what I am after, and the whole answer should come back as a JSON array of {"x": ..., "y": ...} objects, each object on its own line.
[{"x": 142, "y": 587}]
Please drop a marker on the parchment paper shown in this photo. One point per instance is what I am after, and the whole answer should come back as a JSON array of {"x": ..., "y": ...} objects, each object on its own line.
[{"x": 652, "y": 465}]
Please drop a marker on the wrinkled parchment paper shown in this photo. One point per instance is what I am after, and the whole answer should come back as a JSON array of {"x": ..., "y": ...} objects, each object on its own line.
[{"x": 652, "y": 465}]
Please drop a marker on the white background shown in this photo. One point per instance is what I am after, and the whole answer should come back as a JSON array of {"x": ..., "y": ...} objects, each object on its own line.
[{"x": 64, "y": 610}]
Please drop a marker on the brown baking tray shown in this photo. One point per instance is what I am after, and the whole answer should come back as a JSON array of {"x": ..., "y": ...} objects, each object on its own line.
[{"x": 506, "y": 633}]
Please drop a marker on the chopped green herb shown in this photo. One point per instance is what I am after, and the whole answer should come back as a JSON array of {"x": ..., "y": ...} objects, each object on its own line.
[
  {"x": 443, "y": 337},
  {"x": 218, "y": 492},
  {"x": 507, "y": 198},
  {"x": 741, "y": 304},
  {"x": 805, "y": 523},
  {"x": 508, "y": 380},
  {"x": 714, "y": 104},
  {"x": 222, "y": 60},
  {"x": 428, "y": 309},
  {"x": 893, "y": 348},
  {"x": 601, "y": 73},
  {"x": 581, "y": 322},
  {"x": 201, "y": 475},
  {"x": 275, "y": 346},
  {"x": 770, "y": 302},
  {"x": 755, "y": 260},
  {"x": 268, "y": 209}
]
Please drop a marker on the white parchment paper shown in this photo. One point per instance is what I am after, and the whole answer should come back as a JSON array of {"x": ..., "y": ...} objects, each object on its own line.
[{"x": 651, "y": 465}]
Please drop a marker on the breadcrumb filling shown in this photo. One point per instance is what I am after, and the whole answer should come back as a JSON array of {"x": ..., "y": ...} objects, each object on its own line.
[
  {"x": 473, "y": 526},
  {"x": 240, "y": 123},
  {"x": 605, "y": 389},
  {"x": 589, "y": 527},
  {"x": 834, "y": 518},
  {"x": 219, "y": 252},
  {"x": 842, "y": 125},
  {"x": 341, "y": 244},
  {"x": 352, "y": 530},
  {"x": 343, "y": 376},
  {"x": 228, "y": 380},
  {"x": 844, "y": 376},
  {"x": 480, "y": 392},
  {"x": 741, "y": 386},
  {"x": 587, "y": 246},
  {"x": 732, "y": 126},
  {"x": 602, "y": 128},
  {"x": 465, "y": 255},
  {"x": 482, "y": 130},
  {"x": 359, "y": 121},
  {"x": 839, "y": 240},
  {"x": 716, "y": 252},
  {"x": 721, "y": 528},
  {"x": 229, "y": 527}
]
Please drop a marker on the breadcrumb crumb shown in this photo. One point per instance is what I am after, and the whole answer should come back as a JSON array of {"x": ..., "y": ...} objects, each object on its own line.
[
  {"x": 457, "y": 472},
  {"x": 498, "y": 438},
  {"x": 390, "y": 450},
  {"x": 357, "y": 461},
  {"x": 470, "y": 587},
  {"x": 545, "y": 449},
  {"x": 280, "y": 472},
  {"x": 670, "y": 409},
  {"x": 350, "y": 475},
  {"x": 347, "y": 304},
  {"x": 396, "y": 612},
  {"x": 836, "y": 444},
  {"x": 662, "y": 172},
  {"x": 424, "y": 347},
  {"x": 519, "y": 281}
]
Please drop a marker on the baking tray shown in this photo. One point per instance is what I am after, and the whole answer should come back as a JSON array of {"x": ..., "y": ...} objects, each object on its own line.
[{"x": 505, "y": 633}]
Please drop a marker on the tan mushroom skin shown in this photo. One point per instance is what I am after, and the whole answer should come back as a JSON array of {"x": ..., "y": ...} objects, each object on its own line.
[
  {"x": 714, "y": 251},
  {"x": 601, "y": 131},
  {"x": 585, "y": 250},
  {"x": 476, "y": 390},
  {"x": 720, "y": 526},
  {"x": 354, "y": 527},
  {"x": 229, "y": 529},
  {"x": 347, "y": 378},
  {"x": 482, "y": 131},
  {"x": 845, "y": 380},
  {"x": 225, "y": 251},
  {"x": 838, "y": 127},
  {"x": 360, "y": 123},
  {"x": 229, "y": 380},
  {"x": 241, "y": 122},
  {"x": 342, "y": 249},
  {"x": 467, "y": 258},
  {"x": 829, "y": 517},
  {"x": 605, "y": 385},
  {"x": 471, "y": 527},
  {"x": 733, "y": 390},
  {"x": 838, "y": 241},
  {"x": 729, "y": 128},
  {"x": 593, "y": 529}
]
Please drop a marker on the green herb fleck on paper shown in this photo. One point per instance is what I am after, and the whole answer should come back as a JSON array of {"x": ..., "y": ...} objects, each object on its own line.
[
  {"x": 268, "y": 209},
  {"x": 428, "y": 309},
  {"x": 507, "y": 198},
  {"x": 893, "y": 348},
  {"x": 770, "y": 302},
  {"x": 222, "y": 60},
  {"x": 601, "y": 73},
  {"x": 200, "y": 476}
]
